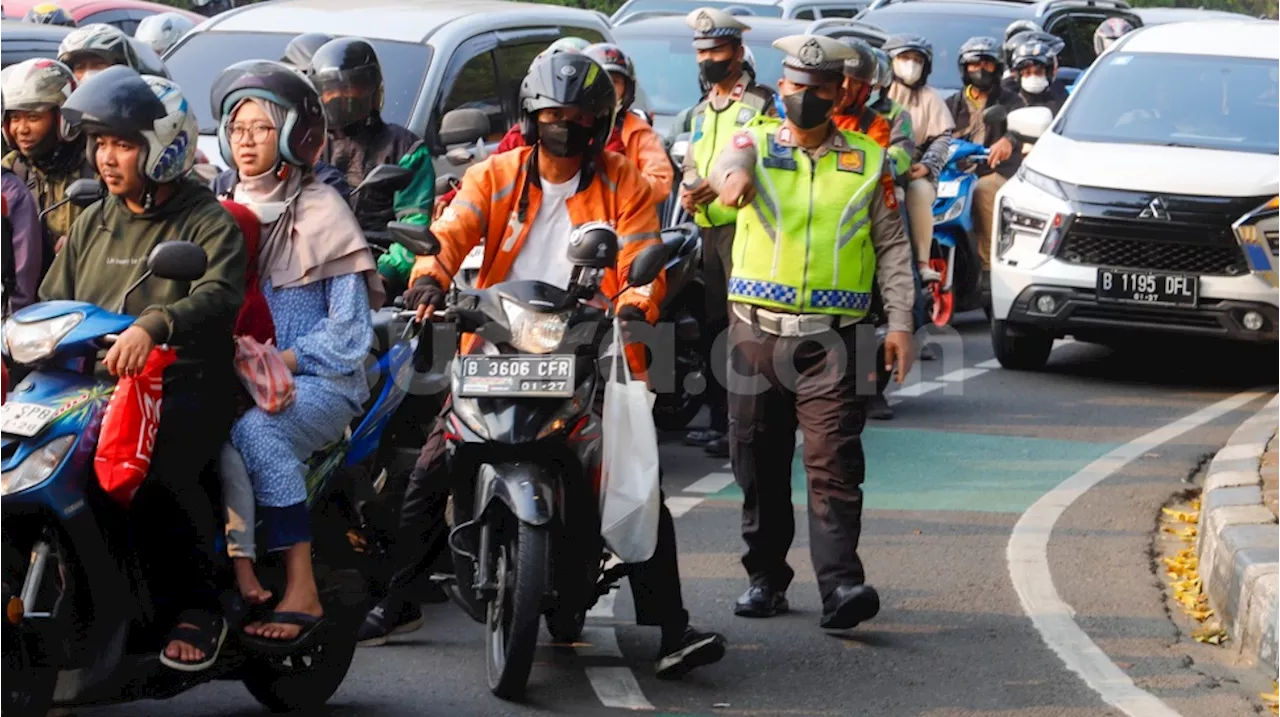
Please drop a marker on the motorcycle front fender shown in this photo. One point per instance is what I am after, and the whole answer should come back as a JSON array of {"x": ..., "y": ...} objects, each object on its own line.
[{"x": 524, "y": 488}]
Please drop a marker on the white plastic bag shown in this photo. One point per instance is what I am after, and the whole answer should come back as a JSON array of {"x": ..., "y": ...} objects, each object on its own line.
[{"x": 629, "y": 484}]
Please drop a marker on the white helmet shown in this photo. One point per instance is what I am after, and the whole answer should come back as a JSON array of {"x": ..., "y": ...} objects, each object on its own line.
[
  {"x": 163, "y": 30},
  {"x": 38, "y": 84},
  {"x": 101, "y": 40}
]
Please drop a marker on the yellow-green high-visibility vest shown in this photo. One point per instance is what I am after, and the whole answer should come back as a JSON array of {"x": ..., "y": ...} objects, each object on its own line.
[{"x": 712, "y": 130}]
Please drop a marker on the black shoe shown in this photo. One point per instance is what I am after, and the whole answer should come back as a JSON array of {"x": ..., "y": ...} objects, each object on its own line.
[
  {"x": 878, "y": 409},
  {"x": 761, "y": 601},
  {"x": 849, "y": 605},
  {"x": 702, "y": 436},
  {"x": 387, "y": 618},
  {"x": 691, "y": 649},
  {"x": 719, "y": 448}
]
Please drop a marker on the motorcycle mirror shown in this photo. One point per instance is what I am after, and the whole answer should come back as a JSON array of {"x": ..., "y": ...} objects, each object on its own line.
[
  {"x": 593, "y": 246},
  {"x": 386, "y": 178},
  {"x": 178, "y": 261},
  {"x": 416, "y": 238},
  {"x": 996, "y": 114},
  {"x": 446, "y": 183},
  {"x": 463, "y": 126},
  {"x": 647, "y": 265},
  {"x": 84, "y": 192},
  {"x": 459, "y": 156}
]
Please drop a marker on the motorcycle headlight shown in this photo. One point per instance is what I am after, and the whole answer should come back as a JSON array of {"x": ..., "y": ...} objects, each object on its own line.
[
  {"x": 37, "y": 467},
  {"x": 31, "y": 341},
  {"x": 953, "y": 211},
  {"x": 534, "y": 332}
]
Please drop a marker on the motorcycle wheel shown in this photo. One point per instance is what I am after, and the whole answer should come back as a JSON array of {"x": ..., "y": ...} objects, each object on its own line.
[
  {"x": 673, "y": 411},
  {"x": 303, "y": 682},
  {"x": 512, "y": 617},
  {"x": 943, "y": 301}
]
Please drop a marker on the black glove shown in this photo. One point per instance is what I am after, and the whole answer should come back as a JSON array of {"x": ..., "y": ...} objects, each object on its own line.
[
  {"x": 631, "y": 312},
  {"x": 426, "y": 291}
]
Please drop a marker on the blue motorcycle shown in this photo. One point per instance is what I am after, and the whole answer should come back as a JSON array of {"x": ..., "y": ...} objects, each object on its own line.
[
  {"x": 80, "y": 626},
  {"x": 954, "y": 257}
]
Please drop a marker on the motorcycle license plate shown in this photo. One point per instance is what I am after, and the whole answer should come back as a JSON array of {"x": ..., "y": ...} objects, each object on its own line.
[
  {"x": 517, "y": 377},
  {"x": 25, "y": 419},
  {"x": 1147, "y": 287},
  {"x": 948, "y": 189}
]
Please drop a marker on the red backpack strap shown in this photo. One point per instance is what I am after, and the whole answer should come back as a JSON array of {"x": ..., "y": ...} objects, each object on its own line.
[{"x": 255, "y": 316}]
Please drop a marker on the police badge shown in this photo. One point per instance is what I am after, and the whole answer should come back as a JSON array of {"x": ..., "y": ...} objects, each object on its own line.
[{"x": 811, "y": 54}]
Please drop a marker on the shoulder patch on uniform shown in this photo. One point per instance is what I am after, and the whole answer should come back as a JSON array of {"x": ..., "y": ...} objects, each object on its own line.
[
  {"x": 852, "y": 161},
  {"x": 890, "y": 191},
  {"x": 743, "y": 140},
  {"x": 777, "y": 149},
  {"x": 738, "y": 89}
]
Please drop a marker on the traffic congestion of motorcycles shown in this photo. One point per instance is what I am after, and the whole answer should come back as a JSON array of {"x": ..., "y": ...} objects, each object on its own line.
[{"x": 379, "y": 124}]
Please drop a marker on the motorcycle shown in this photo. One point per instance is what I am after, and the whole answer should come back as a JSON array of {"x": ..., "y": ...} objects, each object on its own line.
[
  {"x": 524, "y": 444},
  {"x": 683, "y": 308},
  {"x": 954, "y": 256},
  {"x": 71, "y": 637}
]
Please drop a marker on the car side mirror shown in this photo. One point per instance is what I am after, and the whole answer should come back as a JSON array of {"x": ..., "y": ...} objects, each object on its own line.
[
  {"x": 463, "y": 126},
  {"x": 386, "y": 178},
  {"x": 995, "y": 115},
  {"x": 416, "y": 238},
  {"x": 178, "y": 261},
  {"x": 647, "y": 265},
  {"x": 84, "y": 192},
  {"x": 1030, "y": 122},
  {"x": 593, "y": 246}
]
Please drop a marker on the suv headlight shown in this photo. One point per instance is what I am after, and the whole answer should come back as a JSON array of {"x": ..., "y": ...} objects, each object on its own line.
[
  {"x": 1044, "y": 183},
  {"x": 31, "y": 341},
  {"x": 532, "y": 331},
  {"x": 37, "y": 467}
]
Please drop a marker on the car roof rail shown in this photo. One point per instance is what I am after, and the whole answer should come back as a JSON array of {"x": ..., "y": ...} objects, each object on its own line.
[
  {"x": 881, "y": 3},
  {"x": 826, "y": 25},
  {"x": 1045, "y": 6},
  {"x": 642, "y": 15}
]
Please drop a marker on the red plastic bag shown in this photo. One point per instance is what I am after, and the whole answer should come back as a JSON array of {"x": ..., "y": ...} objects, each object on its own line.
[
  {"x": 128, "y": 435},
  {"x": 264, "y": 374}
]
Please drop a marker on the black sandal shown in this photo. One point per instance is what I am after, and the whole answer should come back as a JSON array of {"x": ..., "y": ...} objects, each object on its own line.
[
  {"x": 309, "y": 624},
  {"x": 209, "y": 633}
]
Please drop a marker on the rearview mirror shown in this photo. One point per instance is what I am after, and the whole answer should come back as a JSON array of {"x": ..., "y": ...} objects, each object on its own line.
[
  {"x": 416, "y": 238},
  {"x": 84, "y": 192},
  {"x": 463, "y": 126},
  {"x": 178, "y": 261},
  {"x": 446, "y": 183},
  {"x": 386, "y": 178},
  {"x": 996, "y": 115},
  {"x": 593, "y": 246},
  {"x": 1030, "y": 122},
  {"x": 647, "y": 265}
]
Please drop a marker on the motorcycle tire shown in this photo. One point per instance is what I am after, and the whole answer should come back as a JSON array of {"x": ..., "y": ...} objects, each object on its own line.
[
  {"x": 513, "y": 615},
  {"x": 308, "y": 680},
  {"x": 565, "y": 626}
]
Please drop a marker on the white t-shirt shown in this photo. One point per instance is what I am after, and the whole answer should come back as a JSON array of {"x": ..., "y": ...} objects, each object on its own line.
[{"x": 543, "y": 258}]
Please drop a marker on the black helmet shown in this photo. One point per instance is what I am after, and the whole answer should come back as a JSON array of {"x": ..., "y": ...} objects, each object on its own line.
[
  {"x": 616, "y": 62},
  {"x": 301, "y": 48},
  {"x": 349, "y": 68},
  {"x": 1035, "y": 52},
  {"x": 1053, "y": 42},
  {"x": 862, "y": 66},
  {"x": 1111, "y": 29},
  {"x": 116, "y": 102},
  {"x": 568, "y": 80},
  {"x": 49, "y": 14},
  {"x": 898, "y": 44},
  {"x": 302, "y": 136},
  {"x": 977, "y": 49}
]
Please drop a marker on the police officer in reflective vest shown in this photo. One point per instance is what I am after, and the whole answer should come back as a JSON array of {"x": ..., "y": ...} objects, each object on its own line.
[
  {"x": 817, "y": 223},
  {"x": 733, "y": 100}
]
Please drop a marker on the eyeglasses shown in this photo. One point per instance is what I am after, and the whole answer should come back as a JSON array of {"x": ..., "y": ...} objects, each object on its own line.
[{"x": 258, "y": 132}]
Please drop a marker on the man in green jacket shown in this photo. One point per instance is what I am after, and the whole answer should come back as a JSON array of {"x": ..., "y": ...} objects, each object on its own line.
[{"x": 143, "y": 140}]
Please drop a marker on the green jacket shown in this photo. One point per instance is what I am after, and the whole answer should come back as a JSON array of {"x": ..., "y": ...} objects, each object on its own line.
[
  {"x": 413, "y": 205},
  {"x": 107, "y": 251},
  {"x": 48, "y": 182}
]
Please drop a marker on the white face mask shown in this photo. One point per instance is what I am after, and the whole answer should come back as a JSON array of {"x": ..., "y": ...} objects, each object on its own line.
[
  {"x": 1035, "y": 84},
  {"x": 908, "y": 71}
]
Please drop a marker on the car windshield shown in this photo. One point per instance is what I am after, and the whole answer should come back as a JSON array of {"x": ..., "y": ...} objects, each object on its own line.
[
  {"x": 947, "y": 32},
  {"x": 683, "y": 7},
  {"x": 668, "y": 70},
  {"x": 1171, "y": 100},
  {"x": 196, "y": 63}
]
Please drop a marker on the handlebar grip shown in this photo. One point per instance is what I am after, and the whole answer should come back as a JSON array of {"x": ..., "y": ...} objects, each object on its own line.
[{"x": 424, "y": 353}]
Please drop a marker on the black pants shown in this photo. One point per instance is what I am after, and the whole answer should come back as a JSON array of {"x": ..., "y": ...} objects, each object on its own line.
[
  {"x": 172, "y": 517},
  {"x": 821, "y": 393},
  {"x": 655, "y": 583},
  {"x": 717, "y": 265}
]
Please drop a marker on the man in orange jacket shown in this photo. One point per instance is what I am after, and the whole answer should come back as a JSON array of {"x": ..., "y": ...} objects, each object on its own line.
[
  {"x": 524, "y": 204},
  {"x": 859, "y": 77},
  {"x": 640, "y": 143}
]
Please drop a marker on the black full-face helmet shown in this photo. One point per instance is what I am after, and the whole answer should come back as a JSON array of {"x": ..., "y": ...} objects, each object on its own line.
[
  {"x": 568, "y": 80},
  {"x": 302, "y": 48},
  {"x": 348, "y": 71}
]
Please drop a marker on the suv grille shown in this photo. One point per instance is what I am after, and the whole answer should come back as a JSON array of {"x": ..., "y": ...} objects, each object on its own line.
[{"x": 1157, "y": 246}]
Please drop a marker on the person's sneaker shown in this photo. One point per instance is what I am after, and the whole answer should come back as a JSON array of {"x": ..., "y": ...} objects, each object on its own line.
[
  {"x": 387, "y": 618},
  {"x": 927, "y": 274},
  {"x": 702, "y": 436},
  {"x": 719, "y": 448},
  {"x": 761, "y": 601},
  {"x": 878, "y": 409},
  {"x": 684, "y": 652}
]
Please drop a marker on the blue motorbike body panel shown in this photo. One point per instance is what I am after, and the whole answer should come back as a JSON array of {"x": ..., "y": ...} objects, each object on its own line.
[
  {"x": 398, "y": 366},
  {"x": 949, "y": 232}
]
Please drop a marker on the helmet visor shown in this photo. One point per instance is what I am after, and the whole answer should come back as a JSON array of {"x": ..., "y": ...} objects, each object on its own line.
[
  {"x": 117, "y": 102},
  {"x": 348, "y": 96}
]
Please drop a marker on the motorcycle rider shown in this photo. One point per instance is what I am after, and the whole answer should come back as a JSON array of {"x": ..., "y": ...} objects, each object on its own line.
[
  {"x": 47, "y": 153},
  {"x": 1012, "y": 83},
  {"x": 902, "y": 144},
  {"x": 860, "y": 75},
  {"x": 93, "y": 48},
  {"x": 49, "y": 13},
  {"x": 981, "y": 68},
  {"x": 733, "y": 100},
  {"x": 23, "y": 243},
  {"x": 523, "y": 205},
  {"x": 1111, "y": 29},
  {"x": 912, "y": 57},
  {"x": 163, "y": 30},
  {"x": 810, "y": 196},
  {"x": 1036, "y": 65},
  {"x": 140, "y": 131},
  {"x": 635, "y": 137}
]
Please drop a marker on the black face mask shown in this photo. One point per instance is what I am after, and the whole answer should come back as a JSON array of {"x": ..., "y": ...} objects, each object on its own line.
[
  {"x": 983, "y": 80},
  {"x": 806, "y": 109},
  {"x": 564, "y": 139},
  {"x": 715, "y": 71}
]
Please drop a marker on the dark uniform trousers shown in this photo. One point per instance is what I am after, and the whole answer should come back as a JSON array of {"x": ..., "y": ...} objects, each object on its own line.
[
  {"x": 818, "y": 391},
  {"x": 717, "y": 265}
]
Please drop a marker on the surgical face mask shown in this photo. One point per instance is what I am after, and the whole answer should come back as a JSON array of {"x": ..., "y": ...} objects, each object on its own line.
[
  {"x": 1035, "y": 84},
  {"x": 983, "y": 80},
  {"x": 715, "y": 71},
  {"x": 564, "y": 139},
  {"x": 806, "y": 110},
  {"x": 909, "y": 71}
]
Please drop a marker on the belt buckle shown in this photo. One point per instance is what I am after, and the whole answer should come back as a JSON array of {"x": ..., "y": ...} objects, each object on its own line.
[{"x": 790, "y": 326}]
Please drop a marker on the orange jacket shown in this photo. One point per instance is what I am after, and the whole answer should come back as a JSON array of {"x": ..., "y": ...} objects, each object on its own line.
[
  {"x": 648, "y": 152},
  {"x": 486, "y": 210},
  {"x": 872, "y": 124}
]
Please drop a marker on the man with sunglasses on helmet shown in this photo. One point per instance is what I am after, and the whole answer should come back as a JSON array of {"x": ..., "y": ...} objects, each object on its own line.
[
  {"x": 524, "y": 205},
  {"x": 142, "y": 137}
]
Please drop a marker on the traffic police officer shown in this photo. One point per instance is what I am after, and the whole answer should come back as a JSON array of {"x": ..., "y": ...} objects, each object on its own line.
[
  {"x": 818, "y": 222},
  {"x": 733, "y": 100}
]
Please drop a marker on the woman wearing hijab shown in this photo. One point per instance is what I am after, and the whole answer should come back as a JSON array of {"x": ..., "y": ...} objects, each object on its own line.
[{"x": 319, "y": 280}]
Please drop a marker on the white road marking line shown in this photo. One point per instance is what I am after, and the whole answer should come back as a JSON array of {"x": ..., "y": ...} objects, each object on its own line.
[
  {"x": 963, "y": 374},
  {"x": 1028, "y": 559},
  {"x": 598, "y": 642},
  {"x": 918, "y": 389},
  {"x": 993, "y": 363},
  {"x": 681, "y": 504},
  {"x": 616, "y": 687},
  {"x": 710, "y": 483}
]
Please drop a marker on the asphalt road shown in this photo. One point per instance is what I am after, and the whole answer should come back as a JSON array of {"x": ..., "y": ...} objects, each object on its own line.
[{"x": 971, "y": 449}]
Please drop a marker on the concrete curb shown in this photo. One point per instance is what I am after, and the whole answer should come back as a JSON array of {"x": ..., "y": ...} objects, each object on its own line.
[{"x": 1239, "y": 543}]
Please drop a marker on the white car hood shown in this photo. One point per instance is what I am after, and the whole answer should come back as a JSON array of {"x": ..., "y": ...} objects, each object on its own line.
[{"x": 1146, "y": 168}]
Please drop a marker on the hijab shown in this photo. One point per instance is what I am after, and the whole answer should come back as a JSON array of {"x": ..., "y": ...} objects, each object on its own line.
[{"x": 309, "y": 233}]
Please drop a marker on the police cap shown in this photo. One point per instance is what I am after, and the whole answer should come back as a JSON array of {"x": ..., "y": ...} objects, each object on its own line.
[
  {"x": 712, "y": 28},
  {"x": 813, "y": 59}
]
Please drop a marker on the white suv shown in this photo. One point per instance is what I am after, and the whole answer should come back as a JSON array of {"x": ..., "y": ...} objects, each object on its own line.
[{"x": 1149, "y": 203}]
